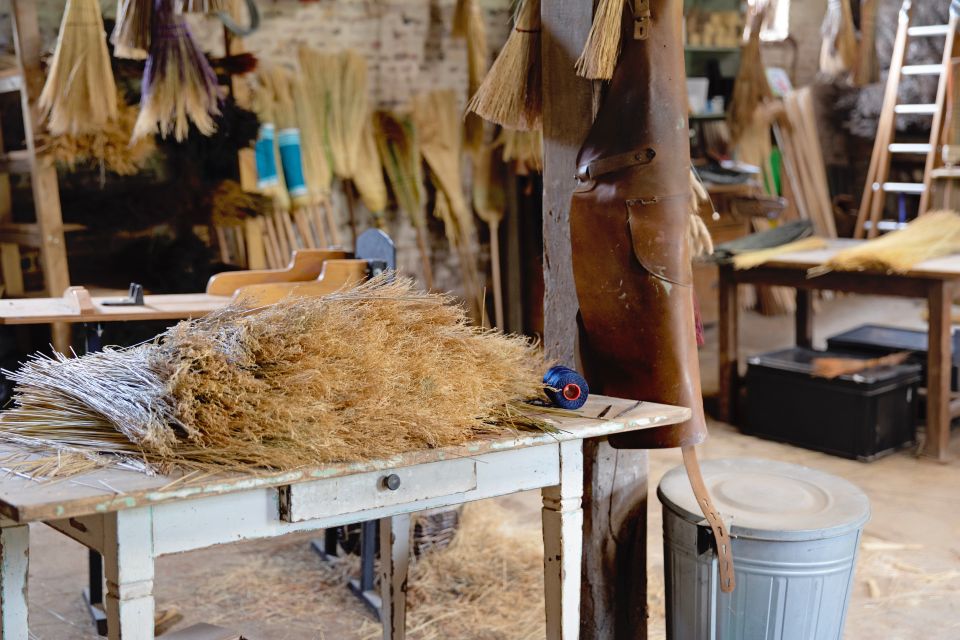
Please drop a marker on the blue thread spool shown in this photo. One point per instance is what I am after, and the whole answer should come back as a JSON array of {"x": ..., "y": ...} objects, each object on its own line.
[
  {"x": 266, "y": 160},
  {"x": 567, "y": 389},
  {"x": 289, "y": 142}
]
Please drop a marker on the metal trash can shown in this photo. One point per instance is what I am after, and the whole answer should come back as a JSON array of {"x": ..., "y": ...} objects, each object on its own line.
[{"x": 795, "y": 537}]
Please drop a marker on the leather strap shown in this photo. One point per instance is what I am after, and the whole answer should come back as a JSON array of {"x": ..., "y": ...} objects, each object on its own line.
[
  {"x": 720, "y": 533},
  {"x": 592, "y": 170}
]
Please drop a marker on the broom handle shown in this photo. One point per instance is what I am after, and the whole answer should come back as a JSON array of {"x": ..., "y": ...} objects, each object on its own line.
[
  {"x": 332, "y": 223},
  {"x": 495, "y": 269},
  {"x": 316, "y": 216}
]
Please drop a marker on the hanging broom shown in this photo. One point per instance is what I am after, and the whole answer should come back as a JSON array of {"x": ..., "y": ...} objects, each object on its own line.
[
  {"x": 179, "y": 86},
  {"x": 437, "y": 122},
  {"x": 131, "y": 32},
  {"x": 316, "y": 168},
  {"x": 368, "y": 176},
  {"x": 490, "y": 204},
  {"x": 400, "y": 154},
  {"x": 602, "y": 49},
  {"x": 523, "y": 148},
  {"x": 511, "y": 94},
  {"x": 751, "y": 88},
  {"x": 79, "y": 95},
  {"x": 468, "y": 24}
]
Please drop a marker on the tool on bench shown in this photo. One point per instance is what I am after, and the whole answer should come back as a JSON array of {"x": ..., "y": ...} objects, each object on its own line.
[{"x": 134, "y": 298}]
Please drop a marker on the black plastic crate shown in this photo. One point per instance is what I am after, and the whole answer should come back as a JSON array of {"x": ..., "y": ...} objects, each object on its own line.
[
  {"x": 863, "y": 416},
  {"x": 879, "y": 340}
]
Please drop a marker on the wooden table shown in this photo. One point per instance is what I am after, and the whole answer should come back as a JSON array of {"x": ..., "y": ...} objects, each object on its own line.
[
  {"x": 175, "y": 306},
  {"x": 131, "y": 518},
  {"x": 934, "y": 280}
]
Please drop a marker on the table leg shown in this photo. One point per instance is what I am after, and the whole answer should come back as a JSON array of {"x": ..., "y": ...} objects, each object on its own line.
[
  {"x": 729, "y": 357},
  {"x": 562, "y": 545},
  {"x": 939, "y": 361},
  {"x": 14, "y": 564},
  {"x": 128, "y": 566},
  {"x": 804, "y": 318},
  {"x": 394, "y": 560}
]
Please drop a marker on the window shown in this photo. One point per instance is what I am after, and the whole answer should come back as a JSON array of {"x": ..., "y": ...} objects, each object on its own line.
[{"x": 776, "y": 27}]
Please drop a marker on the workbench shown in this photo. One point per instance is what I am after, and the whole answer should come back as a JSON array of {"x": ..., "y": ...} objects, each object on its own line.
[
  {"x": 934, "y": 280},
  {"x": 132, "y": 518}
]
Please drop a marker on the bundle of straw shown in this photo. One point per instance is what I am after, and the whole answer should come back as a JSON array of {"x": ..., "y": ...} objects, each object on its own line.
[
  {"x": 511, "y": 95},
  {"x": 205, "y": 6},
  {"x": 838, "y": 54},
  {"x": 108, "y": 146},
  {"x": 80, "y": 95},
  {"x": 468, "y": 24},
  {"x": 751, "y": 88},
  {"x": 400, "y": 153},
  {"x": 368, "y": 176},
  {"x": 930, "y": 236},
  {"x": 751, "y": 259},
  {"x": 132, "y": 30},
  {"x": 348, "y": 112},
  {"x": 523, "y": 148},
  {"x": 279, "y": 388},
  {"x": 602, "y": 49},
  {"x": 179, "y": 86}
]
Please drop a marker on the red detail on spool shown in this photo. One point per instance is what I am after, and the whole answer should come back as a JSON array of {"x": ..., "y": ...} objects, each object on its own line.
[{"x": 572, "y": 392}]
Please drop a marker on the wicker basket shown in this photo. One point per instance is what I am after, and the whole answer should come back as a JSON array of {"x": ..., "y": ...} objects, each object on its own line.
[{"x": 435, "y": 529}]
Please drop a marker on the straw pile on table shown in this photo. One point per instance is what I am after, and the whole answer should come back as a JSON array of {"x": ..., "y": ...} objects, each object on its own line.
[
  {"x": 933, "y": 235},
  {"x": 364, "y": 373},
  {"x": 79, "y": 95}
]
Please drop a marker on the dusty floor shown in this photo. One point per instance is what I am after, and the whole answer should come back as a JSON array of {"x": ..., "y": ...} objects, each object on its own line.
[{"x": 907, "y": 584}]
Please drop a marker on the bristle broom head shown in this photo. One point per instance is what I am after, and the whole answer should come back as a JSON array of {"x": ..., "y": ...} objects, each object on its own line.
[
  {"x": 511, "y": 95},
  {"x": 132, "y": 30},
  {"x": 602, "y": 49}
]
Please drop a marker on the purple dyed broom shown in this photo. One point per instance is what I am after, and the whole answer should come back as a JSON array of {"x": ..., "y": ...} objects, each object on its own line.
[{"x": 179, "y": 85}]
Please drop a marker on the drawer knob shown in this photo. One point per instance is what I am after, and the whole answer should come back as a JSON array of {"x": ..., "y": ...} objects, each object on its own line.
[{"x": 392, "y": 482}]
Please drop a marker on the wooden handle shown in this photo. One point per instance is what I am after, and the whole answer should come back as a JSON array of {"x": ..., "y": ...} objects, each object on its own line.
[
  {"x": 306, "y": 265},
  {"x": 79, "y": 301},
  {"x": 335, "y": 275}
]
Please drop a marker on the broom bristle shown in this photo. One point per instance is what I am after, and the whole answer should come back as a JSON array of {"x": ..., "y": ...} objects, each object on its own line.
[
  {"x": 511, "y": 94},
  {"x": 368, "y": 175},
  {"x": 836, "y": 367},
  {"x": 602, "y": 49},
  {"x": 179, "y": 86},
  {"x": 131, "y": 32},
  {"x": 751, "y": 259},
  {"x": 468, "y": 24},
  {"x": 79, "y": 95}
]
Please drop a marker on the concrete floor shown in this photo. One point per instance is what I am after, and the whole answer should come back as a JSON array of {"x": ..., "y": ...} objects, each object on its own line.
[{"x": 907, "y": 584}]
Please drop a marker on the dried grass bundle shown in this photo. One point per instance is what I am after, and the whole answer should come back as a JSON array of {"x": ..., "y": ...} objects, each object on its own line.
[
  {"x": 399, "y": 150},
  {"x": 348, "y": 112},
  {"x": 109, "y": 145},
  {"x": 511, "y": 94},
  {"x": 132, "y": 30},
  {"x": 602, "y": 49},
  {"x": 751, "y": 259},
  {"x": 523, "y": 148},
  {"x": 316, "y": 165},
  {"x": 179, "y": 86},
  {"x": 930, "y": 236},
  {"x": 231, "y": 205},
  {"x": 80, "y": 95},
  {"x": 468, "y": 24},
  {"x": 751, "y": 88},
  {"x": 839, "y": 52},
  {"x": 368, "y": 177},
  {"x": 364, "y": 373}
]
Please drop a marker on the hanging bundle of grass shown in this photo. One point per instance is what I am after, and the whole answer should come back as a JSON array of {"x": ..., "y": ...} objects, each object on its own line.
[
  {"x": 131, "y": 31},
  {"x": 348, "y": 112},
  {"x": 80, "y": 95},
  {"x": 108, "y": 146},
  {"x": 511, "y": 94},
  {"x": 838, "y": 54},
  {"x": 179, "y": 86},
  {"x": 368, "y": 176},
  {"x": 437, "y": 122},
  {"x": 523, "y": 148},
  {"x": 602, "y": 49},
  {"x": 468, "y": 24},
  {"x": 400, "y": 154},
  {"x": 279, "y": 388},
  {"x": 751, "y": 88},
  {"x": 930, "y": 236}
]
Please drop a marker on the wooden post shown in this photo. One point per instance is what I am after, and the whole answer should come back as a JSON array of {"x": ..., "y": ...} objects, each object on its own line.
[
  {"x": 613, "y": 582},
  {"x": 939, "y": 359},
  {"x": 804, "y": 318},
  {"x": 728, "y": 326}
]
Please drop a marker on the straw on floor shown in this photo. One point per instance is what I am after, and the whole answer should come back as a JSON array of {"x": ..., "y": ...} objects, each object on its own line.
[
  {"x": 79, "y": 95},
  {"x": 368, "y": 372}
]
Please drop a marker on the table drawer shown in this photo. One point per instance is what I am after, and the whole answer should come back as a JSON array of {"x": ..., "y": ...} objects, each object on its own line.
[{"x": 366, "y": 491}]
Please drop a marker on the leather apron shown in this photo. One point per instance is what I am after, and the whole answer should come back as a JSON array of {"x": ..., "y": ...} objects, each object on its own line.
[{"x": 631, "y": 259}]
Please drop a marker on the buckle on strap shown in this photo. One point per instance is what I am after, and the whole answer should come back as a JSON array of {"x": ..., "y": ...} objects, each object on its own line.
[
  {"x": 593, "y": 170},
  {"x": 641, "y": 19}
]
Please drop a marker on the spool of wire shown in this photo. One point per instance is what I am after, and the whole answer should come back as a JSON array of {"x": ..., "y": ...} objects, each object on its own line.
[{"x": 566, "y": 388}]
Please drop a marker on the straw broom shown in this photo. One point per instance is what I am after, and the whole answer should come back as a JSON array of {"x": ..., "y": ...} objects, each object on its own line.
[
  {"x": 490, "y": 203},
  {"x": 468, "y": 24},
  {"x": 131, "y": 32},
  {"x": 348, "y": 111},
  {"x": 271, "y": 185},
  {"x": 751, "y": 259},
  {"x": 368, "y": 176},
  {"x": 279, "y": 388},
  {"x": 511, "y": 94},
  {"x": 179, "y": 86},
  {"x": 523, "y": 148},
  {"x": 79, "y": 95},
  {"x": 933, "y": 235},
  {"x": 602, "y": 49},
  {"x": 751, "y": 88},
  {"x": 289, "y": 149},
  {"x": 399, "y": 151},
  {"x": 316, "y": 168}
]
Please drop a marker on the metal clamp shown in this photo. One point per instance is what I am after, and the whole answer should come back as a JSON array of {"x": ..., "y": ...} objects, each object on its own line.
[
  {"x": 134, "y": 298},
  {"x": 641, "y": 19}
]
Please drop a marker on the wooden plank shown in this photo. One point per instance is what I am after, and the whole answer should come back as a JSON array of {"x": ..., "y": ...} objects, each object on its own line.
[
  {"x": 128, "y": 568},
  {"x": 562, "y": 545},
  {"x": 394, "y": 562},
  {"x": 567, "y": 115},
  {"x": 306, "y": 264},
  {"x": 24, "y": 500},
  {"x": 157, "y": 307},
  {"x": 939, "y": 363},
  {"x": 10, "y": 264}
]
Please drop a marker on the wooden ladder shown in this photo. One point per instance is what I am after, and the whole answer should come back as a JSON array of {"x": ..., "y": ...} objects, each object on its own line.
[
  {"x": 47, "y": 233},
  {"x": 886, "y": 148}
]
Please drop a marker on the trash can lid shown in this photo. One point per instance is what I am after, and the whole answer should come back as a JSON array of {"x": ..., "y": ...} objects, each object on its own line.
[{"x": 770, "y": 500}]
